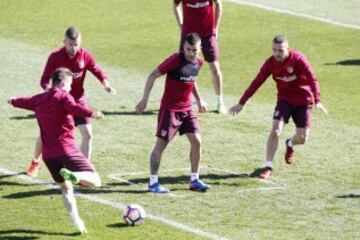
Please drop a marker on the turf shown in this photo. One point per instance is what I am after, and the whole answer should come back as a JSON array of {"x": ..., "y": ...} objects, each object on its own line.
[{"x": 317, "y": 198}]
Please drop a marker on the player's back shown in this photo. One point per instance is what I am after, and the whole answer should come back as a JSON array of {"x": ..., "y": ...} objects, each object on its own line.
[{"x": 56, "y": 125}]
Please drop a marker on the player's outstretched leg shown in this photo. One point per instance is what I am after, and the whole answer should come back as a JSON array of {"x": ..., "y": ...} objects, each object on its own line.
[
  {"x": 272, "y": 145},
  {"x": 155, "y": 158},
  {"x": 195, "y": 183},
  {"x": 34, "y": 167},
  {"x": 85, "y": 178},
  {"x": 299, "y": 138},
  {"x": 217, "y": 80},
  {"x": 70, "y": 204}
]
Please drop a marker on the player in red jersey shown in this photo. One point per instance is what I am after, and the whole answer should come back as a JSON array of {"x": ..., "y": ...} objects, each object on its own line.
[
  {"x": 176, "y": 113},
  {"x": 54, "y": 112},
  {"x": 79, "y": 60},
  {"x": 203, "y": 18},
  {"x": 298, "y": 90}
]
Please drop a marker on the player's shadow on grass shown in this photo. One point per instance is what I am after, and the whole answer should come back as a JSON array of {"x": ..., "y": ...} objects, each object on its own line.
[
  {"x": 33, "y": 232},
  {"x": 28, "y": 194},
  {"x": 17, "y": 238},
  {"x": 349, "y": 62},
  {"x": 117, "y": 225},
  {"x": 129, "y": 113},
  {"x": 27, "y": 117},
  {"x": 14, "y": 183},
  {"x": 105, "y": 190},
  {"x": 350, "y": 195},
  {"x": 211, "y": 178}
]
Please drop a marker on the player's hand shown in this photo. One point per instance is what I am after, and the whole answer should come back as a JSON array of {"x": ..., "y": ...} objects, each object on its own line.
[
  {"x": 140, "y": 107},
  {"x": 201, "y": 106},
  {"x": 236, "y": 109},
  {"x": 321, "y": 107},
  {"x": 110, "y": 90},
  {"x": 10, "y": 99},
  {"x": 97, "y": 115}
]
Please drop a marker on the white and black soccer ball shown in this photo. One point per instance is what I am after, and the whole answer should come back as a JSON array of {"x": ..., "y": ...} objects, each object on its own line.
[{"x": 134, "y": 214}]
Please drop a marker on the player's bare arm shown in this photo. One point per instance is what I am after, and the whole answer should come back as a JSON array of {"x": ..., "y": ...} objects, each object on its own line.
[
  {"x": 218, "y": 13},
  {"x": 140, "y": 107},
  {"x": 201, "y": 104},
  {"x": 178, "y": 14}
]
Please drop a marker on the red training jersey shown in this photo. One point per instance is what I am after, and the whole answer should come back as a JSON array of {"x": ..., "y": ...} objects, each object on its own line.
[
  {"x": 295, "y": 80},
  {"x": 53, "y": 111},
  {"x": 180, "y": 79},
  {"x": 79, "y": 64},
  {"x": 198, "y": 17}
]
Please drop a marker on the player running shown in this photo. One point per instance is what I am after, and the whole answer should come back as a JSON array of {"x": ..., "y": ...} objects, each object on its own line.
[
  {"x": 176, "y": 113},
  {"x": 201, "y": 17},
  {"x": 79, "y": 60},
  {"x": 54, "y": 112},
  {"x": 298, "y": 89}
]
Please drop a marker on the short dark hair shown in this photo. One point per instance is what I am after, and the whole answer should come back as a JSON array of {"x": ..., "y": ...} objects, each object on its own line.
[
  {"x": 59, "y": 75},
  {"x": 278, "y": 39},
  {"x": 192, "y": 38},
  {"x": 72, "y": 33}
]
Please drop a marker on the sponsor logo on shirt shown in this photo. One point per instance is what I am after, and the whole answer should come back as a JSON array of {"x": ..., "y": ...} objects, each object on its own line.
[
  {"x": 287, "y": 79},
  {"x": 188, "y": 79},
  {"x": 198, "y": 4}
]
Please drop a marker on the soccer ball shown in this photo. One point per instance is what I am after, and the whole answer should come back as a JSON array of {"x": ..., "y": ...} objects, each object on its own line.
[{"x": 134, "y": 214}]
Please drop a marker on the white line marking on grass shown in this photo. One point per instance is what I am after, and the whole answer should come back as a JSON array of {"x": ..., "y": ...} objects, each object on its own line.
[
  {"x": 298, "y": 14},
  {"x": 119, "y": 206},
  {"x": 260, "y": 189}
]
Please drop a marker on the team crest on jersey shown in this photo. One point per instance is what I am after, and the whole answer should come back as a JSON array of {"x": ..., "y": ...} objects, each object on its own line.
[
  {"x": 290, "y": 69},
  {"x": 163, "y": 132},
  {"x": 81, "y": 63}
]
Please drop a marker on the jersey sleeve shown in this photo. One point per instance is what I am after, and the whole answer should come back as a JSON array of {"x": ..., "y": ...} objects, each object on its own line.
[
  {"x": 94, "y": 68},
  {"x": 308, "y": 71},
  {"x": 48, "y": 70},
  {"x": 74, "y": 108},
  {"x": 28, "y": 103},
  {"x": 169, "y": 64},
  {"x": 261, "y": 77},
  {"x": 177, "y": 1}
]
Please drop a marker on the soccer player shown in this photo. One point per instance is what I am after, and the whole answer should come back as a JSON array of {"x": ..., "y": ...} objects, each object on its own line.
[
  {"x": 78, "y": 60},
  {"x": 176, "y": 113},
  {"x": 199, "y": 16},
  {"x": 54, "y": 110},
  {"x": 298, "y": 90}
]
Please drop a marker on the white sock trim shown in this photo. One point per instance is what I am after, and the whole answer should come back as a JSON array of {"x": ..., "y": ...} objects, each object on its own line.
[
  {"x": 268, "y": 164},
  {"x": 194, "y": 176},
  {"x": 153, "y": 179}
]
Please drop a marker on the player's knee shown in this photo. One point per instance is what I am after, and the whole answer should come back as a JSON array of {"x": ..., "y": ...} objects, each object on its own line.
[
  {"x": 275, "y": 133},
  {"x": 302, "y": 138},
  {"x": 87, "y": 136},
  {"x": 65, "y": 188}
]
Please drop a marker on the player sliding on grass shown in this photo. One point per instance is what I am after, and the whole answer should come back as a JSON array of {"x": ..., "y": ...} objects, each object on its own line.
[
  {"x": 54, "y": 112},
  {"x": 298, "y": 89},
  {"x": 176, "y": 113},
  {"x": 203, "y": 17},
  {"x": 78, "y": 60}
]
